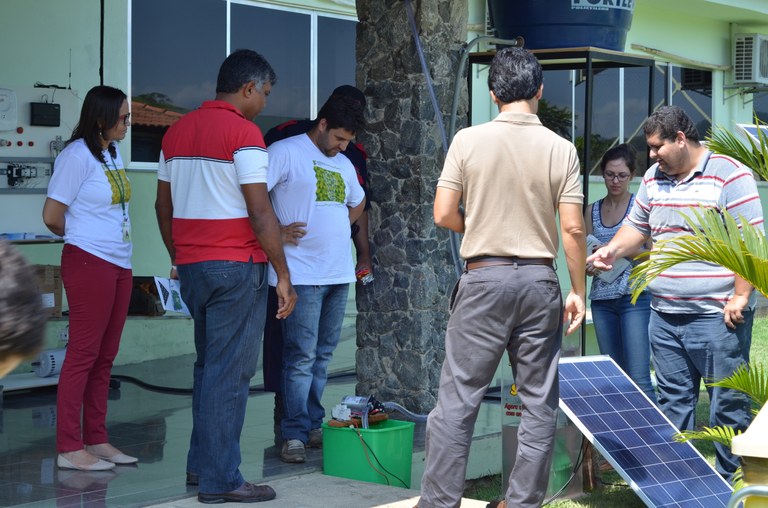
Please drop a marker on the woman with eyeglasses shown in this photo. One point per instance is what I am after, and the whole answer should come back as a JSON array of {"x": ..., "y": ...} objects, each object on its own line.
[
  {"x": 621, "y": 327},
  {"x": 87, "y": 204}
]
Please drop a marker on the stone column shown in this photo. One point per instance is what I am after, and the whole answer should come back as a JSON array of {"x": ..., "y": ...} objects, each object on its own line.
[{"x": 402, "y": 314}]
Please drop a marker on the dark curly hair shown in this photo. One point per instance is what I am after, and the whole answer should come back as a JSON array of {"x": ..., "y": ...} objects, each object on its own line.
[
  {"x": 667, "y": 121},
  {"x": 515, "y": 75},
  {"x": 22, "y": 318}
]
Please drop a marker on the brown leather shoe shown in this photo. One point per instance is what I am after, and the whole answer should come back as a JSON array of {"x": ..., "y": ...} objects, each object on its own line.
[
  {"x": 499, "y": 503},
  {"x": 246, "y": 493}
]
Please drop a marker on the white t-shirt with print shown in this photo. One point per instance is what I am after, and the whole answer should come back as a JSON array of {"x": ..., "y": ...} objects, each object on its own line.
[
  {"x": 306, "y": 186},
  {"x": 93, "y": 193}
]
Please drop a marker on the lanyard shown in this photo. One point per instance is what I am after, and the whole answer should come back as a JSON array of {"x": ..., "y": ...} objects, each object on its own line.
[{"x": 114, "y": 175}]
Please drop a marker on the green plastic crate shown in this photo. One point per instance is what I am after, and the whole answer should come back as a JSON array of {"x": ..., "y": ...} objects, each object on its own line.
[{"x": 389, "y": 450}]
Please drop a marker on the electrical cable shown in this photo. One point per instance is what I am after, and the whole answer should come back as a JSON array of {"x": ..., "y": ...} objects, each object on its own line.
[
  {"x": 494, "y": 394},
  {"x": 366, "y": 445},
  {"x": 387, "y": 405},
  {"x": 454, "y": 237},
  {"x": 446, "y": 138},
  {"x": 576, "y": 467},
  {"x": 367, "y": 458},
  {"x": 188, "y": 391},
  {"x": 42, "y": 85},
  {"x": 425, "y": 70}
]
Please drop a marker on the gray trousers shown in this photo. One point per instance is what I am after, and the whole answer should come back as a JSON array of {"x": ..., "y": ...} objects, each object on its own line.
[{"x": 514, "y": 308}]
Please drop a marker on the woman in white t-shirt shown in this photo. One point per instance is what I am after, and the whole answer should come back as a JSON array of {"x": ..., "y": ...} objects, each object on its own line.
[{"x": 87, "y": 204}]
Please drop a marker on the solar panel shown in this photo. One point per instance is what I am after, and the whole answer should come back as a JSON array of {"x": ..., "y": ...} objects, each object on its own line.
[
  {"x": 635, "y": 436},
  {"x": 751, "y": 131}
]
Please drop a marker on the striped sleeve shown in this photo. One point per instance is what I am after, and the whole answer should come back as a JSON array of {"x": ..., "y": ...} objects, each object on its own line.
[
  {"x": 741, "y": 199},
  {"x": 639, "y": 215}
]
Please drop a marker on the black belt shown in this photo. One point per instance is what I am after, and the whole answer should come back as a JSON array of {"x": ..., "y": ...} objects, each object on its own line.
[{"x": 483, "y": 261}]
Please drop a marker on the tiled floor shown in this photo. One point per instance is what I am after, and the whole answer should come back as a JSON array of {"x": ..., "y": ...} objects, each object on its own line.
[
  {"x": 150, "y": 417},
  {"x": 152, "y": 424}
]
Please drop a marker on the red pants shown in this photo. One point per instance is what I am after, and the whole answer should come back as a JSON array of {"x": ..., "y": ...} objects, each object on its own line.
[{"x": 98, "y": 293}]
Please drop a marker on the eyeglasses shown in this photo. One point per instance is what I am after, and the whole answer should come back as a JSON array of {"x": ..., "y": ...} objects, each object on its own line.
[
  {"x": 126, "y": 119},
  {"x": 621, "y": 177}
]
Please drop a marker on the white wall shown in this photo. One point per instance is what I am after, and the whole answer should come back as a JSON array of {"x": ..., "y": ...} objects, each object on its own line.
[
  {"x": 695, "y": 39},
  {"x": 54, "y": 43},
  {"x": 40, "y": 36}
]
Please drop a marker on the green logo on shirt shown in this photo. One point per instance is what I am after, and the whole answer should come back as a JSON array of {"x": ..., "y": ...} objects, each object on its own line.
[
  {"x": 330, "y": 185},
  {"x": 120, "y": 185}
]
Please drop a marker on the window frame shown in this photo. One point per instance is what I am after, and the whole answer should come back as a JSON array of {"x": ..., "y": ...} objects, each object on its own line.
[{"x": 313, "y": 13}]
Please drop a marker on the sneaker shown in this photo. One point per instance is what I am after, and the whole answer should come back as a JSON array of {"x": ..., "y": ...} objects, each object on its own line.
[
  {"x": 315, "y": 438},
  {"x": 293, "y": 451}
]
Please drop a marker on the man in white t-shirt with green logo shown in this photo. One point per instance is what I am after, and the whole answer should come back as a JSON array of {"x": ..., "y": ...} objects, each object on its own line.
[{"x": 316, "y": 196}]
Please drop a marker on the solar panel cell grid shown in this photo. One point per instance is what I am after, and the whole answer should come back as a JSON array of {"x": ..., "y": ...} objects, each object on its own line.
[{"x": 635, "y": 437}]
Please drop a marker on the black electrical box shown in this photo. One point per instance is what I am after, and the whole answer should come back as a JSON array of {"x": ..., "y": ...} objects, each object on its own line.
[{"x": 46, "y": 114}]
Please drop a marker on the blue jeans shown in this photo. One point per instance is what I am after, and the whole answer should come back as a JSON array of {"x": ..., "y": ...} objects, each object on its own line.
[
  {"x": 227, "y": 300},
  {"x": 689, "y": 348},
  {"x": 310, "y": 335},
  {"x": 622, "y": 334}
]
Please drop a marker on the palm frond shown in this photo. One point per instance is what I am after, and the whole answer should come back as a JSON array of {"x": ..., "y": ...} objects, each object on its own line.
[
  {"x": 749, "y": 379},
  {"x": 723, "y": 141},
  {"x": 754, "y": 156},
  {"x": 716, "y": 237},
  {"x": 737, "y": 480},
  {"x": 719, "y": 434}
]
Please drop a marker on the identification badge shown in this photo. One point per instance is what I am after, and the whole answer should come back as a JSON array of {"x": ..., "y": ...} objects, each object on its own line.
[{"x": 126, "y": 232}]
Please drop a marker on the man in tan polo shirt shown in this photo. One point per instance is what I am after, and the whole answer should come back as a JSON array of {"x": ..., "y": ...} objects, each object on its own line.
[{"x": 513, "y": 176}]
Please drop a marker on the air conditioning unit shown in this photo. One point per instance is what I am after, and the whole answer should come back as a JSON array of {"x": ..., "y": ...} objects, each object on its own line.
[
  {"x": 750, "y": 59},
  {"x": 695, "y": 79}
]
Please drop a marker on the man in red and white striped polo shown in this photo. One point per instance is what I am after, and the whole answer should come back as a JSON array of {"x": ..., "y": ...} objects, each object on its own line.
[
  {"x": 218, "y": 225},
  {"x": 701, "y": 313}
]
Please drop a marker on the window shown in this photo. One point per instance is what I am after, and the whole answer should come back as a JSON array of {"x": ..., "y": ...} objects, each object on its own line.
[
  {"x": 284, "y": 38},
  {"x": 620, "y": 105},
  {"x": 687, "y": 89},
  {"x": 335, "y": 55},
  {"x": 761, "y": 106},
  {"x": 174, "y": 59},
  {"x": 178, "y": 46}
]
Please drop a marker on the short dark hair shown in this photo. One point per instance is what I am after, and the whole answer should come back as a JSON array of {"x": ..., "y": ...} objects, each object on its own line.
[
  {"x": 515, "y": 75},
  {"x": 622, "y": 151},
  {"x": 667, "y": 121},
  {"x": 100, "y": 110},
  {"x": 242, "y": 66},
  {"x": 343, "y": 112},
  {"x": 22, "y": 318}
]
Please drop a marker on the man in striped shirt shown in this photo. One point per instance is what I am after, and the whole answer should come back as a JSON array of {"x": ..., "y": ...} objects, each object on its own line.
[{"x": 701, "y": 313}]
